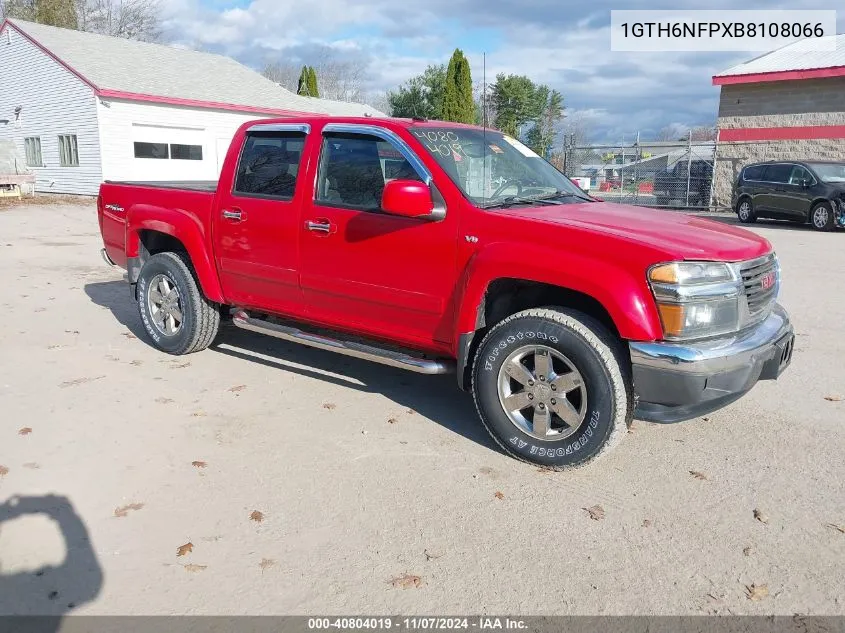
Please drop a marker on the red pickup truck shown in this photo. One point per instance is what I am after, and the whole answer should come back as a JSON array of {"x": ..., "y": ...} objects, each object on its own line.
[{"x": 438, "y": 247}]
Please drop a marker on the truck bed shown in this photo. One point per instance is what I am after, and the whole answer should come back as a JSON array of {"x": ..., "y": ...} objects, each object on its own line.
[{"x": 190, "y": 185}]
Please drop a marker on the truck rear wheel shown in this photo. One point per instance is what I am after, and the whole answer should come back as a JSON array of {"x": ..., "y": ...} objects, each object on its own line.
[
  {"x": 553, "y": 387},
  {"x": 176, "y": 315}
]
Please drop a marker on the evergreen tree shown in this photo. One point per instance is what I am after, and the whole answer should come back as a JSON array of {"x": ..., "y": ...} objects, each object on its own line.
[
  {"x": 302, "y": 88},
  {"x": 313, "y": 90},
  {"x": 458, "y": 103},
  {"x": 420, "y": 96},
  {"x": 56, "y": 13}
]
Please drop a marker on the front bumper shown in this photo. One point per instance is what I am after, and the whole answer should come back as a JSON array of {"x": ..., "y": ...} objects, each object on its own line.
[{"x": 675, "y": 381}]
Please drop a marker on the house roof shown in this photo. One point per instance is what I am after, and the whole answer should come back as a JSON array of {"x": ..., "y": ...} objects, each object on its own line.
[
  {"x": 120, "y": 68},
  {"x": 799, "y": 60}
]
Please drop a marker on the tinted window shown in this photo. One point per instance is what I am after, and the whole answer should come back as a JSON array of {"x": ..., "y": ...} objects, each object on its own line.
[
  {"x": 753, "y": 173},
  {"x": 185, "y": 152},
  {"x": 355, "y": 167},
  {"x": 798, "y": 175},
  {"x": 269, "y": 164},
  {"x": 151, "y": 150},
  {"x": 777, "y": 173}
]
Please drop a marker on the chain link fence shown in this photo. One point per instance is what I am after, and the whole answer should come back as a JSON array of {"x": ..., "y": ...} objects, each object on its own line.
[{"x": 670, "y": 174}]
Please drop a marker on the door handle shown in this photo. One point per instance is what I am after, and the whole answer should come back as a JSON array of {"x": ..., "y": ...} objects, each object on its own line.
[
  {"x": 322, "y": 226},
  {"x": 233, "y": 214}
]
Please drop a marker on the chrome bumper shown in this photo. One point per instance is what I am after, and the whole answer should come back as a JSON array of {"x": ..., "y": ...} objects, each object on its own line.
[{"x": 675, "y": 381}]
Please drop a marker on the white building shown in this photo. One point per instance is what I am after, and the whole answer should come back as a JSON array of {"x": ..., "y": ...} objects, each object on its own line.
[{"x": 83, "y": 108}]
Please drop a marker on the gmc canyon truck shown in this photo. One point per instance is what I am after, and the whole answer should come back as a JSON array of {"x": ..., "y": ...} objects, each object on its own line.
[{"x": 437, "y": 247}]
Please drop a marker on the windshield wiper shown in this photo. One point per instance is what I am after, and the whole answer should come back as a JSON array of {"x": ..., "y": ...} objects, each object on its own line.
[
  {"x": 512, "y": 200},
  {"x": 565, "y": 194}
]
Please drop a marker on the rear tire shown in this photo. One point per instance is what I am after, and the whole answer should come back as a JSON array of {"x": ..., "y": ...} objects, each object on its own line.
[
  {"x": 175, "y": 314},
  {"x": 745, "y": 211},
  {"x": 571, "y": 375},
  {"x": 821, "y": 217}
]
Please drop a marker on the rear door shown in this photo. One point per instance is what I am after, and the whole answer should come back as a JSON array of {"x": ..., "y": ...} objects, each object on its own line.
[
  {"x": 257, "y": 220},
  {"x": 771, "y": 198},
  {"x": 364, "y": 269}
]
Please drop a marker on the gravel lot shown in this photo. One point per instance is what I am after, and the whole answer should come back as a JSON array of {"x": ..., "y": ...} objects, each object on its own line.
[{"x": 309, "y": 483}]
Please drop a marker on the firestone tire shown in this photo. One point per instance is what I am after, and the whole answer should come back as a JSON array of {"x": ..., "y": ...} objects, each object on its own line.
[
  {"x": 175, "y": 314},
  {"x": 574, "y": 342}
]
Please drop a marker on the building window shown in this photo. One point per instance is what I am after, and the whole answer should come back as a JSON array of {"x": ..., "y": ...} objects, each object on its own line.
[
  {"x": 68, "y": 152},
  {"x": 185, "y": 152},
  {"x": 151, "y": 150},
  {"x": 33, "y": 151}
]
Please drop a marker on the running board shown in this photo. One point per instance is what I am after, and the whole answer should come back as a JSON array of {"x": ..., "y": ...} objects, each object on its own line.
[{"x": 347, "y": 347}]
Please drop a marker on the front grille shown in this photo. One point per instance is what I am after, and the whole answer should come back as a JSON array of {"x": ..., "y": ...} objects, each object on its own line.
[{"x": 760, "y": 283}]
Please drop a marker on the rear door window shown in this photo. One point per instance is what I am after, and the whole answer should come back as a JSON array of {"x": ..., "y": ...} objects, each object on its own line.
[
  {"x": 269, "y": 165},
  {"x": 753, "y": 172},
  {"x": 778, "y": 173},
  {"x": 799, "y": 175}
]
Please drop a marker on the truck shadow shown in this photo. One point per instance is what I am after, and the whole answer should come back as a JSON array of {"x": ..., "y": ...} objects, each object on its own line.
[
  {"x": 437, "y": 398},
  {"x": 50, "y": 591}
]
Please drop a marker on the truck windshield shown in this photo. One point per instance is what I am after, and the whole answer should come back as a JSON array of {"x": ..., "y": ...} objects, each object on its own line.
[
  {"x": 829, "y": 172},
  {"x": 493, "y": 169}
]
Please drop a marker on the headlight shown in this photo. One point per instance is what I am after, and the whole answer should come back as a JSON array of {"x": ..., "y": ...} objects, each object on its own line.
[{"x": 696, "y": 299}]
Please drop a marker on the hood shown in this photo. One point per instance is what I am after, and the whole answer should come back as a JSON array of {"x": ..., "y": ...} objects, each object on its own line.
[{"x": 679, "y": 235}]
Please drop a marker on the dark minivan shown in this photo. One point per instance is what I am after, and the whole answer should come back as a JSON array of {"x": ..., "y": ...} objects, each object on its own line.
[{"x": 800, "y": 191}]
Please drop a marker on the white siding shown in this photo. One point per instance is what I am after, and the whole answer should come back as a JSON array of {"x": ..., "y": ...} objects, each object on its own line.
[
  {"x": 54, "y": 101},
  {"x": 122, "y": 123}
]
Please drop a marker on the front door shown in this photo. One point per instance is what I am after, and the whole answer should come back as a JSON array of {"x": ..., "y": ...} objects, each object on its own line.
[
  {"x": 797, "y": 194},
  {"x": 257, "y": 228},
  {"x": 366, "y": 270}
]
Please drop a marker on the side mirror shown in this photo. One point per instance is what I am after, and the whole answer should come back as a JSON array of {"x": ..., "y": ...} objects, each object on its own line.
[{"x": 408, "y": 198}]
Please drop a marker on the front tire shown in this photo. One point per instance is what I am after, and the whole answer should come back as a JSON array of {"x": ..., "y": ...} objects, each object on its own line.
[
  {"x": 175, "y": 314},
  {"x": 821, "y": 217},
  {"x": 745, "y": 211},
  {"x": 553, "y": 387}
]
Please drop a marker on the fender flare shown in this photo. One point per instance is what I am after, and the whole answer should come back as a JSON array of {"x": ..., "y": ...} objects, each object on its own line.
[{"x": 183, "y": 226}]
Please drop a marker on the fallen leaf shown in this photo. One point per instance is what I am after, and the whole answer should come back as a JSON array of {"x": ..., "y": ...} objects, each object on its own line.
[
  {"x": 698, "y": 475},
  {"x": 499, "y": 495},
  {"x": 3, "y": 471},
  {"x": 187, "y": 548},
  {"x": 25, "y": 431},
  {"x": 137, "y": 363},
  {"x": 39, "y": 309},
  {"x": 237, "y": 388},
  {"x": 392, "y": 421},
  {"x": 760, "y": 516},
  {"x": 79, "y": 381},
  {"x": 406, "y": 581},
  {"x": 410, "y": 412},
  {"x": 181, "y": 366},
  {"x": 199, "y": 464},
  {"x": 646, "y": 522},
  {"x": 329, "y": 405},
  {"x": 746, "y": 551},
  {"x": 833, "y": 398},
  {"x": 833, "y": 526},
  {"x": 124, "y": 510},
  {"x": 198, "y": 414},
  {"x": 756, "y": 592},
  {"x": 706, "y": 419},
  {"x": 71, "y": 331},
  {"x": 128, "y": 335},
  {"x": 430, "y": 556},
  {"x": 256, "y": 516},
  {"x": 31, "y": 466},
  {"x": 53, "y": 346},
  {"x": 596, "y": 512},
  {"x": 266, "y": 563},
  {"x": 164, "y": 400},
  {"x": 193, "y": 567}
]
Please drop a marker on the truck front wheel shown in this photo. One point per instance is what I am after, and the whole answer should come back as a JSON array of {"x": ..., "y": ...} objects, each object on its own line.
[
  {"x": 176, "y": 315},
  {"x": 553, "y": 387}
]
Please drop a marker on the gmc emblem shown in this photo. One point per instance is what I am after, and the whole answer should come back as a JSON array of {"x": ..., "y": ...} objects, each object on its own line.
[{"x": 767, "y": 280}]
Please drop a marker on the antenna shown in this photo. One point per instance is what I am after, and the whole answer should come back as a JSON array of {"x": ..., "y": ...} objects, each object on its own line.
[{"x": 484, "y": 124}]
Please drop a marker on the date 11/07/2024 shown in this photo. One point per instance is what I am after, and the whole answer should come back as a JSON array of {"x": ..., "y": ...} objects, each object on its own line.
[{"x": 484, "y": 623}]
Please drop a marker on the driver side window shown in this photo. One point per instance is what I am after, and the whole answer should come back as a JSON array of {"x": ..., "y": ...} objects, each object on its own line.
[
  {"x": 354, "y": 169},
  {"x": 798, "y": 175}
]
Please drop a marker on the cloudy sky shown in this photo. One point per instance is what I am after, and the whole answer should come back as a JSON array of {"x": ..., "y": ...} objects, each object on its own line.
[{"x": 563, "y": 43}]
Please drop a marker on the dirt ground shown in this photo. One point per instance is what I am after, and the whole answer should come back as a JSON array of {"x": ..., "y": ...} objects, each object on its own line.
[{"x": 260, "y": 477}]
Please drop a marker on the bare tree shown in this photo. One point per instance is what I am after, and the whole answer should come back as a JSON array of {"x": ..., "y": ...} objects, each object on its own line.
[
  {"x": 129, "y": 19},
  {"x": 286, "y": 74},
  {"x": 704, "y": 133}
]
